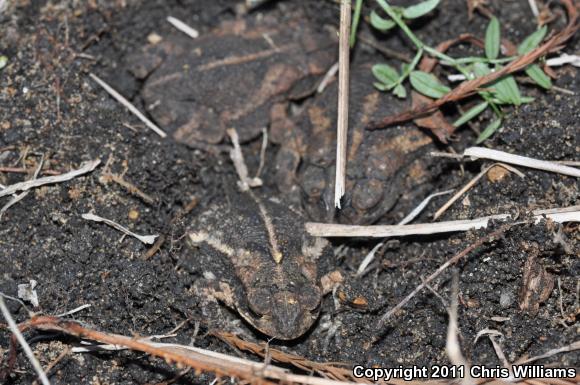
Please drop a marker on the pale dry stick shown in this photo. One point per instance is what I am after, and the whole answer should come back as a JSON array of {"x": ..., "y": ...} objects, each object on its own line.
[
  {"x": 417, "y": 210},
  {"x": 452, "y": 346},
  {"x": 75, "y": 310},
  {"x": 342, "y": 119},
  {"x": 327, "y": 78},
  {"x": 566, "y": 214},
  {"x": 147, "y": 239},
  {"x": 245, "y": 182},
  {"x": 567, "y": 348},
  {"x": 500, "y": 156},
  {"x": 262, "y": 153},
  {"x": 22, "y": 341},
  {"x": 470, "y": 184},
  {"x": 534, "y": 7},
  {"x": 19, "y": 197},
  {"x": 181, "y": 26},
  {"x": 381, "y": 231},
  {"x": 439, "y": 154},
  {"x": 442, "y": 268},
  {"x": 563, "y": 60},
  {"x": 492, "y": 334},
  {"x": 368, "y": 259},
  {"x": 560, "y": 299},
  {"x": 412, "y": 215},
  {"x": 27, "y": 185},
  {"x": 486, "y": 332},
  {"x": 127, "y": 104}
]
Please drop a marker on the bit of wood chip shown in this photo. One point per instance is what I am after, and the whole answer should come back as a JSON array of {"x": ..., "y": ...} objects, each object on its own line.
[
  {"x": 27, "y": 293},
  {"x": 147, "y": 239}
]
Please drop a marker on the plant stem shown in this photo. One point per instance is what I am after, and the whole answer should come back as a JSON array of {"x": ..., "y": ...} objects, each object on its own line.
[
  {"x": 397, "y": 19},
  {"x": 355, "y": 20}
]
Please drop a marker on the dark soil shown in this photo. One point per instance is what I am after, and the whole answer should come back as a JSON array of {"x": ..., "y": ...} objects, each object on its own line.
[{"x": 49, "y": 106}]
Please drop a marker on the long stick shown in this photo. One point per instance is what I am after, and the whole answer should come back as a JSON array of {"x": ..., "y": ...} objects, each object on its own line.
[{"x": 342, "y": 120}]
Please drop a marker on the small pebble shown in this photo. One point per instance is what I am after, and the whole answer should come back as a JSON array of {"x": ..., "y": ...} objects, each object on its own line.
[
  {"x": 154, "y": 38},
  {"x": 506, "y": 299},
  {"x": 497, "y": 174},
  {"x": 133, "y": 214}
]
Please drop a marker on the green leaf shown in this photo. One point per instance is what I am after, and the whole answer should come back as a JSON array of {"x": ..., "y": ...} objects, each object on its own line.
[
  {"x": 385, "y": 74},
  {"x": 532, "y": 41},
  {"x": 3, "y": 61},
  {"x": 400, "y": 91},
  {"x": 489, "y": 130},
  {"x": 381, "y": 24},
  {"x": 355, "y": 20},
  {"x": 428, "y": 84},
  {"x": 537, "y": 74},
  {"x": 472, "y": 113},
  {"x": 527, "y": 99},
  {"x": 506, "y": 89},
  {"x": 481, "y": 69},
  {"x": 418, "y": 10},
  {"x": 492, "y": 39},
  {"x": 381, "y": 86}
]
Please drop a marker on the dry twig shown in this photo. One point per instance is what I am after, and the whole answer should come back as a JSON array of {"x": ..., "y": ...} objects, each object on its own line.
[
  {"x": 19, "y": 197},
  {"x": 566, "y": 214},
  {"x": 470, "y": 184},
  {"x": 568, "y": 348},
  {"x": 245, "y": 182},
  {"x": 501, "y": 156},
  {"x": 180, "y": 25},
  {"x": 412, "y": 215},
  {"x": 121, "y": 99},
  {"x": 147, "y": 239},
  {"x": 342, "y": 119},
  {"x": 130, "y": 187},
  {"x": 442, "y": 268},
  {"x": 23, "y": 186},
  {"x": 25, "y": 347},
  {"x": 452, "y": 346}
]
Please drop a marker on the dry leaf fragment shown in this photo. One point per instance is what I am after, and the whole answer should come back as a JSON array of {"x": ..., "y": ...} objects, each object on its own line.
[{"x": 537, "y": 284}]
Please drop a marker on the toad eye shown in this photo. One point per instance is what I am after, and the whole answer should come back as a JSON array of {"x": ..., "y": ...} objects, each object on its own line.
[
  {"x": 310, "y": 297},
  {"x": 260, "y": 301}
]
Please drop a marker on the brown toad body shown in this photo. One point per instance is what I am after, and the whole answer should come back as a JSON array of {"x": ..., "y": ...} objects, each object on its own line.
[
  {"x": 229, "y": 77},
  {"x": 273, "y": 257}
]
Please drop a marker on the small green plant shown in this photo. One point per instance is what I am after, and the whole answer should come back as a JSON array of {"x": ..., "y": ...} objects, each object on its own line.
[{"x": 503, "y": 91}]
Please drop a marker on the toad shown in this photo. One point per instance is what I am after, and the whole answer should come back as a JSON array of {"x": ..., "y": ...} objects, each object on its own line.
[
  {"x": 382, "y": 166},
  {"x": 276, "y": 286}
]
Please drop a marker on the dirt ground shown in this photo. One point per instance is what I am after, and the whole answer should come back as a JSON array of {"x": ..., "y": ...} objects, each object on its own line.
[{"x": 50, "y": 107}]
